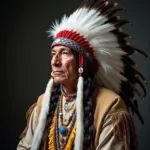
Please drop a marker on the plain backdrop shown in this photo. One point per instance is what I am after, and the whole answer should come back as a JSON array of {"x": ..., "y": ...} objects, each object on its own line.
[{"x": 25, "y": 61}]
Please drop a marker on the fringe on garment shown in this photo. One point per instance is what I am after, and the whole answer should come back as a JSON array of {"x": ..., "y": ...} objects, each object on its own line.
[
  {"x": 28, "y": 116},
  {"x": 124, "y": 129}
]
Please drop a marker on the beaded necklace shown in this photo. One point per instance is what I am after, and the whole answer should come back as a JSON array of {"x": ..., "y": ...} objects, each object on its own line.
[
  {"x": 63, "y": 132},
  {"x": 61, "y": 117},
  {"x": 68, "y": 96},
  {"x": 56, "y": 140},
  {"x": 69, "y": 99},
  {"x": 69, "y": 105}
]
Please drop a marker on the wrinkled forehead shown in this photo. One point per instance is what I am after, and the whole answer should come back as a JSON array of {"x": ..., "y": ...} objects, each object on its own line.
[{"x": 60, "y": 48}]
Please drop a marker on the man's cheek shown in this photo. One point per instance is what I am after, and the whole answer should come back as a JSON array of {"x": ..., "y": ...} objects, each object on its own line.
[{"x": 64, "y": 67}]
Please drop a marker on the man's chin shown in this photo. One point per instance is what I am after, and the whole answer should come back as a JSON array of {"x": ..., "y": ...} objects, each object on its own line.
[{"x": 60, "y": 81}]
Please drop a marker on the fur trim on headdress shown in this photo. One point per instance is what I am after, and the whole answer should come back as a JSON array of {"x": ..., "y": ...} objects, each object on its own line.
[
  {"x": 43, "y": 117},
  {"x": 79, "y": 121}
]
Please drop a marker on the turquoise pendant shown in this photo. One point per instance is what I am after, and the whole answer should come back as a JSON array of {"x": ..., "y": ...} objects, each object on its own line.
[{"x": 63, "y": 130}]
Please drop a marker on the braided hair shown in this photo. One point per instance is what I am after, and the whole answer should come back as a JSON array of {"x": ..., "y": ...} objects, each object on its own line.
[
  {"x": 88, "y": 103},
  {"x": 53, "y": 100}
]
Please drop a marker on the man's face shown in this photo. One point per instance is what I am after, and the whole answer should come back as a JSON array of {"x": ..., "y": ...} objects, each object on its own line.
[{"x": 64, "y": 67}]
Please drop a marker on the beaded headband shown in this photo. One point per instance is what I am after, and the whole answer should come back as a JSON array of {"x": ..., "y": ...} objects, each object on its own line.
[{"x": 73, "y": 45}]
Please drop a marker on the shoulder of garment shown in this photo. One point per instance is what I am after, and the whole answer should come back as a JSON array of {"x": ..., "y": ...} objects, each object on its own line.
[
  {"x": 36, "y": 106},
  {"x": 110, "y": 104}
]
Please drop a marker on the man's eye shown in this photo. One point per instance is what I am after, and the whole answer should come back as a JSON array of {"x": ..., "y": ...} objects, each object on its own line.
[
  {"x": 65, "y": 52},
  {"x": 52, "y": 54}
]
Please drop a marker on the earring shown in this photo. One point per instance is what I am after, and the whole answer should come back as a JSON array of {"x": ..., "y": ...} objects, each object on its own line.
[
  {"x": 80, "y": 70},
  {"x": 81, "y": 62}
]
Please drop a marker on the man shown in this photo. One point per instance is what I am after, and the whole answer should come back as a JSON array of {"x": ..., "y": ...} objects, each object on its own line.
[{"x": 87, "y": 100}]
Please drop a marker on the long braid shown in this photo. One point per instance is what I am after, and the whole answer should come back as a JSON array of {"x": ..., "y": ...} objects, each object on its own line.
[
  {"x": 52, "y": 106},
  {"x": 88, "y": 114},
  {"x": 88, "y": 103},
  {"x": 54, "y": 100}
]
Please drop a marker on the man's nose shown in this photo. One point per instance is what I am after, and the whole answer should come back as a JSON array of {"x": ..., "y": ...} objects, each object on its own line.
[{"x": 56, "y": 60}]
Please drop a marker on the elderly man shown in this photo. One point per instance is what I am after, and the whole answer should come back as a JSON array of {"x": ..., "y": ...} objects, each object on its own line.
[{"x": 92, "y": 86}]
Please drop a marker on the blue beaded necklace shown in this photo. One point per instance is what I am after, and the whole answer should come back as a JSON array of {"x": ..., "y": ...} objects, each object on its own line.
[{"x": 63, "y": 129}]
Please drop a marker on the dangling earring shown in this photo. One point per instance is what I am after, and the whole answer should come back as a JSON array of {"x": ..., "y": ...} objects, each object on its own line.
[
  {"x": 80, "y": 70},
  {"x": 81, "y": 61}
]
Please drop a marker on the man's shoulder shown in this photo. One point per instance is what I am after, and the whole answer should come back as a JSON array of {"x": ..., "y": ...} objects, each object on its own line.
[
  {"x": 40, "y": 99},
  {"x": 107, "y": 99}
]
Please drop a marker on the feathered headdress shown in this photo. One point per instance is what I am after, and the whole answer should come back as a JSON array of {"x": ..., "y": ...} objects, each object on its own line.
[
  {"x": 95, "y": 32},
  {"x": 99, "y": 37}
]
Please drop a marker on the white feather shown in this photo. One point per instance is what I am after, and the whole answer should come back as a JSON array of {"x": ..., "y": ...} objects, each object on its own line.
[
  {"x": 51, "y": 32},
  {"x": 100, "y": 80},
  {"x": 105, "y": 54},
  {"x": 113, "y": 84},
  {"x": 104, "y": 45},
  {"x": 108, "y": 37},
  {"x": 108, "y": 62},
  {"x": 87, "y": 20},
  {"x": 87, "y": 17},
  {"x": 106, "y": 67},
  {"x": 112, "y": 51},
  {"x": 101, "y": 77}
]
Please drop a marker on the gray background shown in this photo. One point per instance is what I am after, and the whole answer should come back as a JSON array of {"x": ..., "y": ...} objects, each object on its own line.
[{"x": 25, "y": 61}]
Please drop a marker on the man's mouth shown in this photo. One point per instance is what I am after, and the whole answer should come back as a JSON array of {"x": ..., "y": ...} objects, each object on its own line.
[{"x": 57, "y": 72}]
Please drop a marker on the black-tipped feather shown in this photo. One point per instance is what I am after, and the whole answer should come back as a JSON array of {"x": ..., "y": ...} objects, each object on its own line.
[
  {"x": 112, "y": 11},
  {"x": 121, "y": 22},
  {"x": 99, "y": 5},
  {"x": 131, "y": 74},
  {"x": 129, "y": 47},
  {"x": 133, "y": 106},
  {"x": 141, "y": 75},
  {"x": 136, "y": 103},
  {"x": 128, "y": 61},
  {"x": 106, "y": 6},
  {"x": 92, "y": 4},
  {"x": 130, "y": 50},
  {"x": 112, "y": 19},
  {"x": 127, "y": 95},
  {"x": 142, "y": 52},
  {"x": 141, "y": 85},
  {"x": 121, "y": 35}
]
